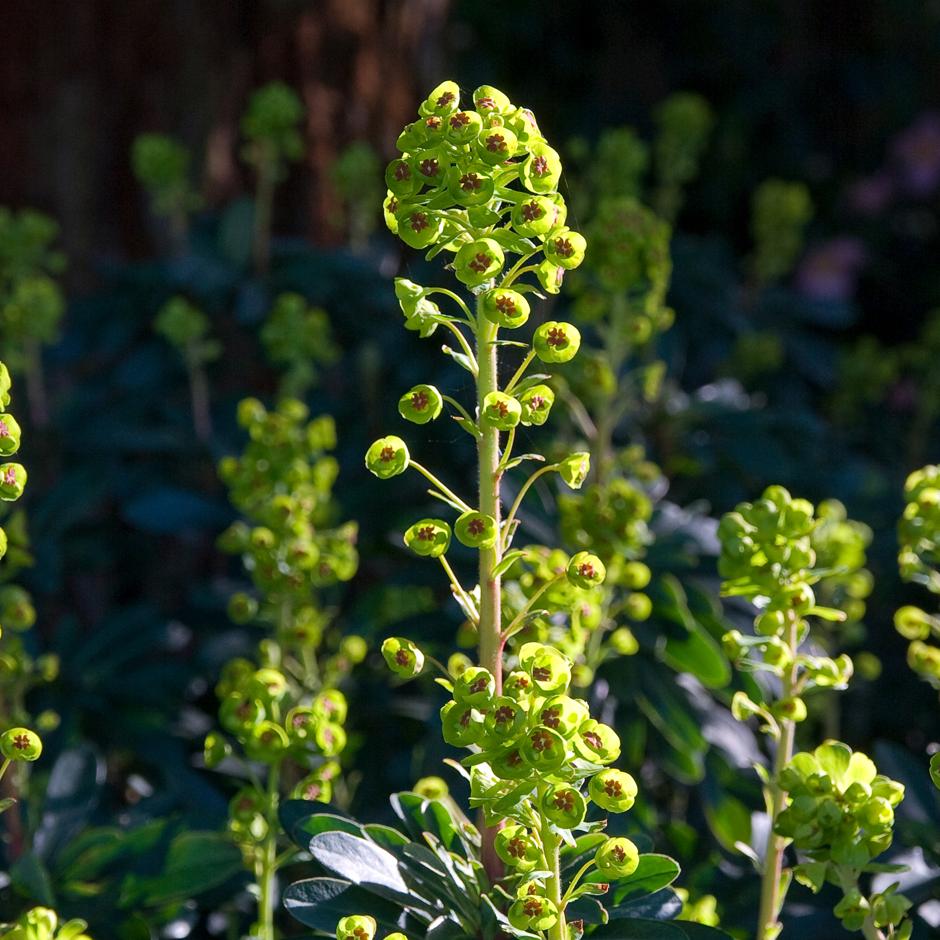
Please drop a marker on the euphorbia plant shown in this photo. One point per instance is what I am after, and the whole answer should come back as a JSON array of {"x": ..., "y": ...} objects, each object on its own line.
[
  {"x": 282, "y": 712},
  {"x": 161, "y": 165},
  {"x": 481, "y": 184},
  {"x": 831, "y": 805}
]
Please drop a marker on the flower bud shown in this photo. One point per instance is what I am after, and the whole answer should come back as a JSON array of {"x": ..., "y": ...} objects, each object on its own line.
[
  {"x": 550, "y": 276},
  {"x": 586, "y": 570},
  {"x": 566, "y": 248},
  {"x": 613, "y": 790},
  {"x": 402, "y": 657},
  {"x": 301, "y": 723},
  {"x": 215, "y": 750},
  {"x": 556, "y": 342},
  {"x": 354, "y": 648},
  {"x": 789, "y": 709},
  {"x": 388, "y": 457},
  {"x": 356, "y": 927},
  {"x": 617, "y": 858},
  {"x": 638, "y": 607},
  {"x": 500, "y": 411},
  {"x": 505, "y": 307},
  {"x": 623, "y": 641},
  {"x": 912, "y": 623},
  {"x": 574, "y": 469},
  {"x": 536, "y": 403},
  {"x": 421, "y": 404},
  {"x": 478, "y": 261},
  {"x": 635, "y": 575},
  {"x": 564, "y": 806},
  {"x": 429, "y": 538},
  {"x": 313, "y": 788},
  {"x": 457, "y": 663},
  {"x": 20, "y": 744},
  {"x": 242, "y": 608},
  {"x": 476, "y": 530}
]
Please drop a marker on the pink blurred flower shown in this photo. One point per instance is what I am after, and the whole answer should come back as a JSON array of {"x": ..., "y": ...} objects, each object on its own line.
[
  {"x": 830, "y": 270},
  {"x": 916, "y": 154},
  {"x": 871, "y": 195}
]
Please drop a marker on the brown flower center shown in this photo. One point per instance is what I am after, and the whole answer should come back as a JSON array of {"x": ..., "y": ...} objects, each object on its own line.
[
  {"x": 480, "y": 262},
  {"x": 419, "y": 221},
  {"x": 470, "y": 181},
  {"x": 419, "y": 401},
  {"x": 556, "y": 336},
  {"x": 387, "y": 453},
  {"x": 476, "y": 526},
  {"x": 540, "y": 166},
  {"x": 496, "y": 143},
  {"x": 426, "y": 533}
]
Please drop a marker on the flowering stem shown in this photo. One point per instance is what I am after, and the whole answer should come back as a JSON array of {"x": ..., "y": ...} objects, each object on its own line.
[
  {"x": 771, "y": 900},
  {"x": 4, "y": 766},
  {"x": 268, "y": 862},
  {"x": 490, "y": 626},
  {"x": 199, "y": 396}
]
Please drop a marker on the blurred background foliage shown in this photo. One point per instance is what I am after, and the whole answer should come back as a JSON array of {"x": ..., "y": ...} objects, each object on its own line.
[{"x": 792, "y": 154}]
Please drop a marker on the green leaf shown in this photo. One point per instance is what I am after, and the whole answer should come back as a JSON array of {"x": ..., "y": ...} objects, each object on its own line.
[
  {"x": 811, "y": 875},
  {"x": 826, "y": 613},
  {"x": 30, "y": 877},
  {"x": 508, "y": 560},
  {"x": 653, "y": 873},
  {"x": 460, "y": 358},
  {"x": 518, "y": 460},
  {"x": 729, "y": 819},
  {"x": 635, "y": 929},
  {"x": 6, "y": 803},
  {"x": 321, "y": 902},
  {"x": 935, "y": 769}
]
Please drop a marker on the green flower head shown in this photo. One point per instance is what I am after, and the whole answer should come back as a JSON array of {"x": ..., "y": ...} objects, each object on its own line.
[
  {"x": 534, "y": 912},
  {"x": 476, "y": 530},
  {"x": 505, "y": 718},
  {"x": 517, "y": 848},
  {"x": 356, "y": 927},
  {"x": 586, "y": 571},
  {"x": 564, "y": 806},
  {"x": 575, "y": 469},
  {"x": 549, "y": 669},
  {"x": 402, "y": 656},
  {"x": 431, "y": 788},
  {"x": 566, "y": 248},
  {"x": 613, "y": 790},
  {"x": 461, "y": 725},
  {"x": 421, "y": 404},
  {"x": 563, "y": 714},
  {"x": 543, "y": 749},
  {"x": 20, "y": 744},
  {"x": 500, "y": 411},
  {"x": 536, "y": 402},
  {"x": 556, "y": 342},
  {"x": 597, "y": 742},
  {"x": 505, "y": 307},
  {"x": 534, "y": 216},
  {"x": 475, "y": 686},
  {"x": 429, "y": 538},
  {"x": 9, "y": 435},
  {"x": 478, "y": 261},
  {"x": 617, "y": 858},
  {"x": 388, "y": 457}
]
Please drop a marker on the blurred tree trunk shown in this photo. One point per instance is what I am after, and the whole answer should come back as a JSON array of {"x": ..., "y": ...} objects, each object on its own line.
[{"x": 79, "y": 81}]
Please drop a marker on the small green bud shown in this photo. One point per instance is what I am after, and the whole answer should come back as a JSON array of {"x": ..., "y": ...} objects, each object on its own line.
[
  {"x": 638, "y": 607},
  {"x": 617, "y": 858},
  {"x": 356, "y": 927},
  {"x": 478, "y": 261},
  {"x": 624, "y": 642},
  {"x": 517, "y": 848},
  {"x": 215, "y": 750},
  {"x": 331, "y": 705},
  {"x": 500, "y": 411},
  {"x": 536, "y": 402},
  {"x": 429, "y": 538},
  {"x": 431, "y": 788},
  {"x": 770, "y": 622},
  {"x": 564, "y": 806},
  {"x": 613, "y": 790},
  {"x": 792, "y": 709},
  {"x": 556, "y": 342},
  {"x": 421, "y": 404},
  {"x": 574, "y": 469},
  {"x": 388, "y": 457},
  {"x": 354, "y": 648},
  {"x": 457, "y": 663},
  {"x": 476, "y": 530},
  {"x": 242, "y": 608},
  {"x": 20, "y": 744},
  {"x": 505, "y": 307},
  {"x": 912, "y": 623},
  {"x": 586, "y": 570},
  {"x": 635, "y": 575},
  {"x": 402, "y": 657},
  {"x": 475, "y": 686}
]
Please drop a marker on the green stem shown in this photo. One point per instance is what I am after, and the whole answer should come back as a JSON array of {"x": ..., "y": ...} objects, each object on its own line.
[
  {"x": 771, "y": 898},
  {"x": 264, "y": 210},
  {"x": 455, "y": 297},
  {"x": 4, "y": 766},
  {"x": 490, "y": 626},
  {"x": 464, "y": 345},
  {"x": 447, "y": 491},
  {"x": 530, "y": 355},
  {"x": 267, "y": 878},
  {"x": 552, "y": 857}
]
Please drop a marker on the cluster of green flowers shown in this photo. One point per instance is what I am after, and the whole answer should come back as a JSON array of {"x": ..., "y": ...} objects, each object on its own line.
[
  {"x": 284, "y": 711},
  {"x": 840, "y": 818},
  {"x": 456, "y": 178},
  {"x": 162, "y": 165},
  {"x": 17, "y": 744},
  {"x": 361, "y": 927},
  {"x": 31, "y": 302},
  {"x": 769, "y": 555},
  {"x": 780, "y": 212},
  {"x": 356, "y": 175},
  {"x": 42, "y": 923},
  {"x": 538, "y": 758},
  {"x": 297, "y": 338}
]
